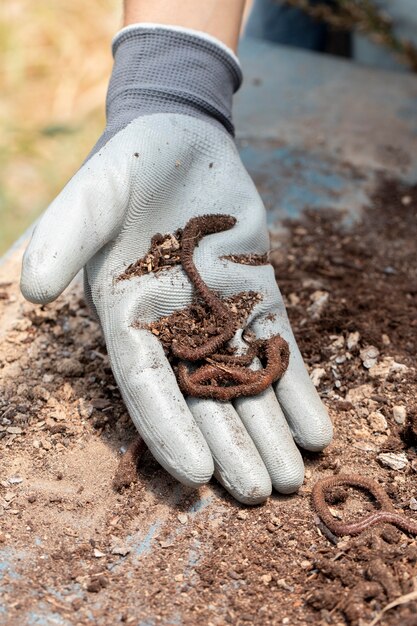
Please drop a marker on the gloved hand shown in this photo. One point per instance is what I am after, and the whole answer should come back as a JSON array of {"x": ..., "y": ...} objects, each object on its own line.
[{"x": 167, "y": 155}]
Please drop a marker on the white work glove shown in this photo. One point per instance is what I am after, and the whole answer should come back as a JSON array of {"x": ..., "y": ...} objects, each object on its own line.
[{"x": 167, "y": 155}]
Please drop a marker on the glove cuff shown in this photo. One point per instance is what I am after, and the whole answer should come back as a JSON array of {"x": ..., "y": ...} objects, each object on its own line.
[{"x": 164, "y": 69}]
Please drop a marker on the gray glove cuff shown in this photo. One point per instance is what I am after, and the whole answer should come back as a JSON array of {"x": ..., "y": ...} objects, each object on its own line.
[{"x": 168, "y": 70}]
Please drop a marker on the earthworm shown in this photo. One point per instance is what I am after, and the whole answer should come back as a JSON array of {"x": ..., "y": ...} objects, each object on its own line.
[
  {"x": 386, "y": 515},
  {"x": 126, "y": 470},
  {"x": 247, "y": 382},
  {"x": 237, "y": 359},
  {"x": 195, "y": 229}
]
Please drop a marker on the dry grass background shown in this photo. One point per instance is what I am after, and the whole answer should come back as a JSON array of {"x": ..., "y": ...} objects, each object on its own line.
[
  {"x": 55, "y": 64},
  {"x": 54, "y": 69}
]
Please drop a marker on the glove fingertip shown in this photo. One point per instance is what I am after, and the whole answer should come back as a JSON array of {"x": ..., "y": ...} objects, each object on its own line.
[{"x": 37, "y": 283}]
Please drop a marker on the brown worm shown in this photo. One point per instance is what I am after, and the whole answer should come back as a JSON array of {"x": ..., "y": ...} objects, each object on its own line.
[
  {"x": 386, "y": 515},
  {"x": 195, "y": 229},
  {"x": 206, "y": 381},
  {"x": 126, "y": 470}
]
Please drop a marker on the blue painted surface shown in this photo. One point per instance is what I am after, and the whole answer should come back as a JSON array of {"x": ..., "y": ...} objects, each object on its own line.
[
  {"x": 316, "y": 132},
  {"x": 9, "y": 557},
  {"x": 291, "y": 180},
  {"x": 46, "y": 617},
  {"x": 145, "y": 544},
  {"x": 201, "y": 504}
]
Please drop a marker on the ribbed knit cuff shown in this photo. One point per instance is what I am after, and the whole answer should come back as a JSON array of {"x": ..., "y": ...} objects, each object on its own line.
[{"x": 161, "y": 69}]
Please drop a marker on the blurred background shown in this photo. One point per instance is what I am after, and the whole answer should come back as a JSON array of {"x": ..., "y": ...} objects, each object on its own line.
[
  {"x": 55, "y": 65},
  {"x": 56, "y": 62}
]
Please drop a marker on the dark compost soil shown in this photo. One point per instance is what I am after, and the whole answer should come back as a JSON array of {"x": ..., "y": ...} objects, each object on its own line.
[{"x": 159, "y": 553}]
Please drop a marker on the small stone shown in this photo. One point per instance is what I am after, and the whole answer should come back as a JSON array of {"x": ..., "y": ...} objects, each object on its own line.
[
  {"x": 120, "y": 549},
  {"x": 392, "y": 460},
  {"x": 307, "y": 565},
  {"x": 385, "y": 339},
  {"x": 406, "y": 200},
  {"x": 281, "y": 582},
  {"x": 182, "y": 518},
  {"x": 98, "y": 554},
  {"x": 358, "y": 394},
  {"x": 32, "y": 498},
  {"x": 413, "y": 504},
  {"x": 94, "y": 586},
  {"x": 76, "y": 604},
  {"x": 179, "y": 578},
  {"x": 312, "y": 283},
  {"x": 316, "y": 375},
  {"x": 9, "y": 496},
  {"x": 369, "y": 356},
  {"x": 387, "y": 367},
  {"x": 377, "y": 421},
  {"x": 319, "y": 301},
  {"x": 41, "y": 393},
  {"x": 84, "y": 409},
  {"x": 266, "y": 579},
  {"x": 353, "y": 340},
  {"x": 399, "y": 414},
  {"x": 14, "y": 430},
  {"x": 242, "y": 515},
  {"x": 69, "y": 367},
  {"x": 15, "y": 480}
]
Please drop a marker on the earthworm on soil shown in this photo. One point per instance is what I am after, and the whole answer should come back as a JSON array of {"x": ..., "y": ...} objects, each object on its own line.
[
  {"x": 386, "y": 515},
  {"x": 126, "y": 470}
]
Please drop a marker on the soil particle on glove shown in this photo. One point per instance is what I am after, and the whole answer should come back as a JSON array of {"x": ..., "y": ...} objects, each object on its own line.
[
  {"x": 164, "y": 252},
  {"x": 194, "y": 325},
  {"x": 228, "y": 564},
  {"x": 248, "y": 259}
]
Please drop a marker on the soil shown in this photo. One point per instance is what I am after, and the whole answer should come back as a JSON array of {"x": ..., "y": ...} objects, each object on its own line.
[
  {"x": 194, "y": 325},
  {"x": 78, "y": 552},
  {"x": 164, "y": 252}
]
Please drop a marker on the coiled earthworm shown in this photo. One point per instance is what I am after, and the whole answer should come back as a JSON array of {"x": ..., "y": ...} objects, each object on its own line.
[{"x": 386, "y": 515}]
